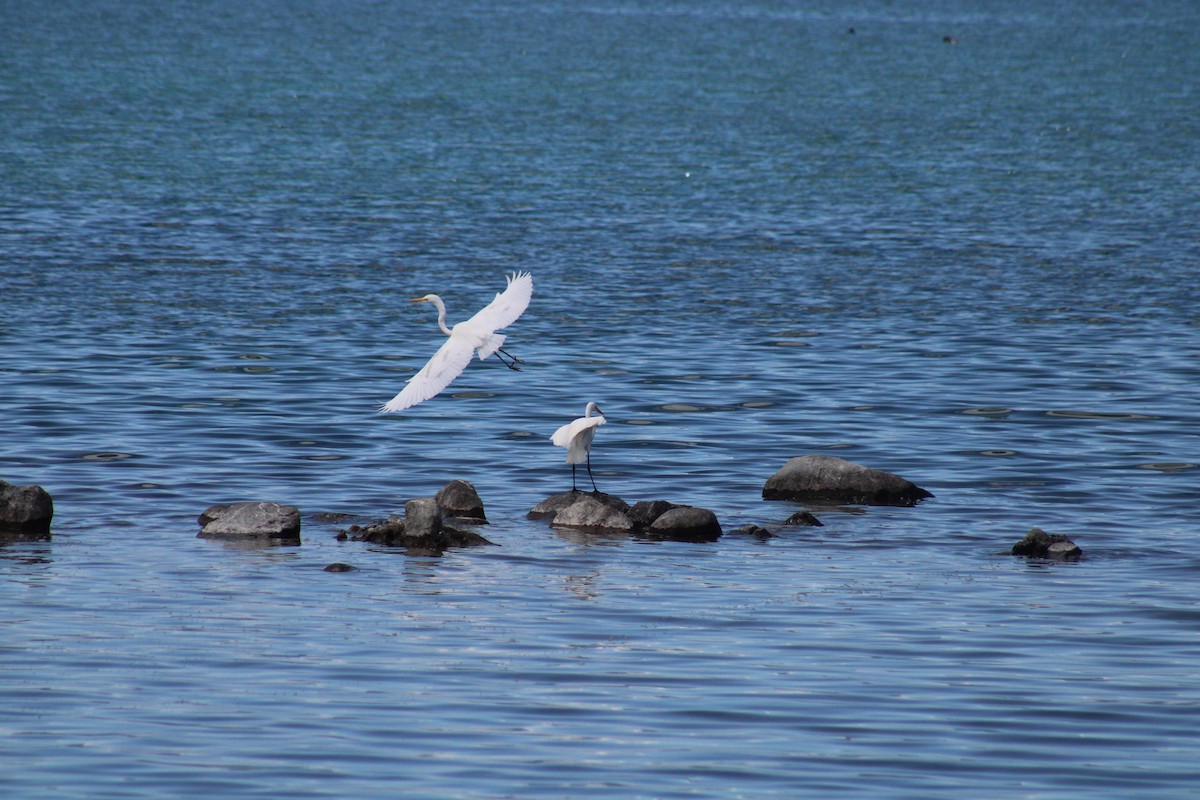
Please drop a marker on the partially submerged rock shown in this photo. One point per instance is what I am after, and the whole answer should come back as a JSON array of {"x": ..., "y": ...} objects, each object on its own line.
[
  {"x": 268, "y": 521},
  {"x": 588, "y": 511},
  {"x": 804, "y": 518},
  {"x": 756, "y": 531},
  {"x": 549, "y": 508},
  {"x": 686, "y": 523},
  {"x": 828, "y": 479},
  {"x": 644, "y": 512},
  {"x": 25, "y": 511},
  {"x": 1039, "y": 544},
  {"x": 605, "y": 513},
  {"x": 458, "y": 498},
  {"x": 423, "y": 530}
]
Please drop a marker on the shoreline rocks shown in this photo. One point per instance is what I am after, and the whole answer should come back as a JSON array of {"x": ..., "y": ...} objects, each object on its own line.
[{"x": 828, "y": 479}]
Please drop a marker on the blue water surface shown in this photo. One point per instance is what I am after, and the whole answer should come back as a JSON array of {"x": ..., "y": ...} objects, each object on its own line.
[{"x": 956, "y": 241}]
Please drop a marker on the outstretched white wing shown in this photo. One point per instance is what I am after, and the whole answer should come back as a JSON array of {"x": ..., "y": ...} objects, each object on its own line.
[
  {"x": 446, "y": 365},
  {"x": 507, "y": 305}
]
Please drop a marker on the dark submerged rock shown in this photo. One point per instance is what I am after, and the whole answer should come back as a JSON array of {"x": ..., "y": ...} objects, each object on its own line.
[
  {"x": 830, "y": 479},
  {"x": 1039, "y": 544},
  {"x": 753, "y": 530},
  {"x": 686, "y": 524},
  {"x": 422, "y": 531},
  {"x": 251, "y": 521},
  {"x": 459, "y": 499},
  {"x": 340, "y": 567},
  {"x": 25, "y": 510},
  {"x": 804, "y": 518}
]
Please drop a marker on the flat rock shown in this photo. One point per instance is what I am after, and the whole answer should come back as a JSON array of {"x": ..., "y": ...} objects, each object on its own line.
[
  {"x": 459, "y": 499},
  {"x": 549, "y": 508},
  {"x": 593, "y": 513},
  {"x": 828, "y": 479},
  {"x": 1039, "y": 544},
  {"x": 25, "y": 510},
  {"x": 262, "y": 520},
  {"x": 687, "y": 524}
]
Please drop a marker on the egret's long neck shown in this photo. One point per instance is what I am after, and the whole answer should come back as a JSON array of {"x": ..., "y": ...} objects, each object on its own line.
[{"x": 441, "y": 307}]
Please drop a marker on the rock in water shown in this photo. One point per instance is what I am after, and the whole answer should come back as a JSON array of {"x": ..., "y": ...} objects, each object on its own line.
[
  {"x": 757, "y": 531},
  {"x": 550, "y": 507},
  {"x": 25, "y": 509},
  {"x": 459, "y": 499},
  {"x": 251, "y": 521},
  {"x": 591, "y": 512},
  {"x": 686, "y": 524},
  {"x": 1039, "y": 544},
  {"x": 422, "y": 518},
  {"x": 423, "y": 531},
  {"x": 644, "y": 512},
  {"x": 829, "y": 479}
]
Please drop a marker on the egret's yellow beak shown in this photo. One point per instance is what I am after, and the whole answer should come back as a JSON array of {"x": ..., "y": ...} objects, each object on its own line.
[{"x": 417, "y": 300}]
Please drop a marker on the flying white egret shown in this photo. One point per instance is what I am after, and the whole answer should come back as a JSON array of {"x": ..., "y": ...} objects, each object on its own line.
[
  {"x": 477, "y": 333},
  {"x": 577, "y": 437}
]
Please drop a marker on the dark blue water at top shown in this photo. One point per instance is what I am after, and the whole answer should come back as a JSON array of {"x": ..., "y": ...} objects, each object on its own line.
[{"x": 757, "y": 230}]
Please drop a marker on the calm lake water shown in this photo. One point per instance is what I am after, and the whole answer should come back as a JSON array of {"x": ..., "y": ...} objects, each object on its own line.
[{"x": 757, "y": 230}]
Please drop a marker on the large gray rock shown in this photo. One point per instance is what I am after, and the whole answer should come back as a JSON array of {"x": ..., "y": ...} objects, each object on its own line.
[
  {"x": 687, "y": 524},
  {"x": 251, "y": 521},
  {"x": 828, "y": 479},
  {"x": 25, "y": 510},
  {"x": 548, "y": 508},
  {"x": 459, "y": 499},
  {"x": 590, "y": 512},
  {"x": 1039, "y": 544}
]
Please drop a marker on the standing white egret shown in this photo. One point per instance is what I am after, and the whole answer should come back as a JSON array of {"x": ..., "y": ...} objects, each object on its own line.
[
  {"x": 477, "y": 333},
  {"x": 577, "y": 437}
]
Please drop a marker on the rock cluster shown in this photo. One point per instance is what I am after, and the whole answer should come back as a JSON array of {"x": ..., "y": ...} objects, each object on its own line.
[
  {"x": 599, "y": 512},
  {"x": 424, "y": 530}
]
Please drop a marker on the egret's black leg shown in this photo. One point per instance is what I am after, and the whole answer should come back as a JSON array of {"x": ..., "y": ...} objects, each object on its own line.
[
  {"x": 589, "y": 466},
  {"x": 510, "y": 355},
  {"x": 510, "y": 364},
  {"x": 573, "y": 489}
]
